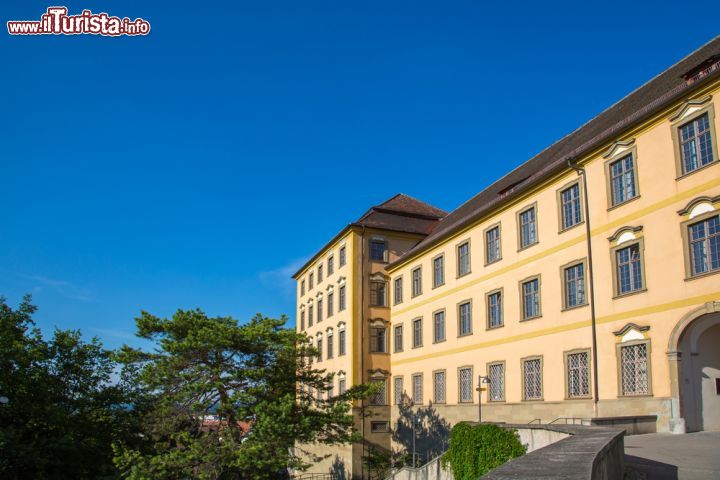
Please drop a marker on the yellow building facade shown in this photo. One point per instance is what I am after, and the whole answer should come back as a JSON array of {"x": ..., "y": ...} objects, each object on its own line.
[{"x": 596, "y": 259}]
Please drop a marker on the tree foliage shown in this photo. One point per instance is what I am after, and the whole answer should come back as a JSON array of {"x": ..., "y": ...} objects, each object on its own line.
[
  {"x": 475, "y": 450},
  {"x": 245, "y": 375},
  {"x": 64, "y": 408}
]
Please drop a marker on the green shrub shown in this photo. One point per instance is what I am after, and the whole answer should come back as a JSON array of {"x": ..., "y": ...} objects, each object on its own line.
[{"x": 475, "y": 450}]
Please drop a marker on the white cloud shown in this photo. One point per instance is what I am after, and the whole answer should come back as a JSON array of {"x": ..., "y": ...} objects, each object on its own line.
[{"x": 64, "y": 288}]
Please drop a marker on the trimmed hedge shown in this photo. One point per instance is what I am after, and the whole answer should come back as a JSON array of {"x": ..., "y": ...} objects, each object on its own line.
[{"x": 475, "y": 450}]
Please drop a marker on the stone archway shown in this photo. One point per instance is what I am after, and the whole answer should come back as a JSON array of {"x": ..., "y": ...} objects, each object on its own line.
[{"x": 695, "y": 370}]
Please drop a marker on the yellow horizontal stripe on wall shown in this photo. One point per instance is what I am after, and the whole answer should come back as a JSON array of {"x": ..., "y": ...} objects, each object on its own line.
[
  {"x": 699, "y": 300},
  {"x": 595, "y": 231}
]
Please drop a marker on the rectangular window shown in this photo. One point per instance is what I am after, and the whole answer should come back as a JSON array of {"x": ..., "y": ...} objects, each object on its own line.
[
  {"x": 342, "y": 386},
  {"x": 379, "y": 426},
  {"x": 416, "y": 282},
  {"x": 398, "y": 338},
  {"x": 302, "y": 287},
  {"x": 629, "y": 269},
  {"x": 398, "y": 290},
  {"x": 465, "y": 385},
  {"x": 532, "y": 379},
  {"x": 578, "y": 374},
  {"x": 464, "y": 319},
  {"x": 439, "y": 386},
  {"x": 704, "y": 243},
  {"x": 341, "y": 342},
  {"x": 380, "y": 396},
  {"x": 378, "y": 294},
  {"x": 310, "y": 316},
  {"x": 311, "y": 280},
  {"x": 570, "y": 206},
  {"x": 319, "y": 349},
  {"x": 492, "y": 245},
  {"x": 330, "y": 301},
  {"x": 695, "y": 143},
  {"x": 531, "y": 298},
  {"x": 330, "y": 346},
  {"x": 319, "y": 310},
  {"x": 495, "y": 309},
  {"x": 320, "y": 273},
  {"x": 331, "y": 265},
  {"x": 622, "y": 180},
  {"x": 378, "y": 251},
  {"x": 398, "y": 390},
  {"x": 528, "y": 227},
  {"x": 417, "y": 333},
  {"x": 302, "y": 319},
  {"x": 634, "y": 364},
  {"x": 463, "y": 255},
  {"x": 574, "y": 285},
  {"x": 342, "y": 258},
  {"x": 377, "y": 340},
  {"x": 439, "y": 324},
  {"x": 496, "y": 374},
  {"x": 330, "y": 391},
  {"x": 438, "y": 271},
  {"x": 417, "y": 381},
  {"x": 341, "y": 298}
]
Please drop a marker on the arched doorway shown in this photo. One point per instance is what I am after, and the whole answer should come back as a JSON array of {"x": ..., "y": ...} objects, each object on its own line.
[{"x": 696, "y": 339}]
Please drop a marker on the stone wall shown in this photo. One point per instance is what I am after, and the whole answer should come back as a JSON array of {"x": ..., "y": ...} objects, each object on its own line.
[{"x": 568, "y": 451}]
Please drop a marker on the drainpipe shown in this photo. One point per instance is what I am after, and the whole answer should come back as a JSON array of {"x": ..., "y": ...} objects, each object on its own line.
[
  {"x": 362, "y": 348},
  {"x": 588, "y": 240}
]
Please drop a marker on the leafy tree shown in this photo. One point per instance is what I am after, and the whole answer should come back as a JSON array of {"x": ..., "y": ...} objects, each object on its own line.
[
  {"x": 247, "y": 376},
  {"x": 64, "y": 410},
  {"x": 477, "y": 449}
]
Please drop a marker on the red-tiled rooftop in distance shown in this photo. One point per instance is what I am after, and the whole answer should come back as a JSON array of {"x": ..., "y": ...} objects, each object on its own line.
[{"x": 401, "y": 213}]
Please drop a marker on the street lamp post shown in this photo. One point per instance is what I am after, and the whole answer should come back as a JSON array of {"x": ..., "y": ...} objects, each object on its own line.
[{"x": 482, "y": 380}]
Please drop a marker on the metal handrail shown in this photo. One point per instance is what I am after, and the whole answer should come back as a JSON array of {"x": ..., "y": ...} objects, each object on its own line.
[
  {"x": 575, "y": 420},
  {"x": 538, "y": 420}
]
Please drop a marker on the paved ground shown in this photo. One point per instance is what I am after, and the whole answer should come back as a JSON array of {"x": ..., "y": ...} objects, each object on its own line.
[{"x": 664, "y": 456}]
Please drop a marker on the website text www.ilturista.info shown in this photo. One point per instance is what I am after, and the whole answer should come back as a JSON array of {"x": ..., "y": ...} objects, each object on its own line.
[{"x": 56, "y": 21}]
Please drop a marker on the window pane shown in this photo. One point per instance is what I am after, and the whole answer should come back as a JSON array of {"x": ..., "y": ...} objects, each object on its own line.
[
  {"x": 398, "y": 291},
  {"x": 570, "y": 198},
  {"x": 439, "y": 326},
  {"x": 377, "y": 250},
  {"x": 492, "y": 242},
  {"x": 533, "y": 379},
  {"x": 465, "y": 319},
  {"x": 417, "y": 390},
  {"x": 380, "y": 397},
  {"x": 495, "y": 318},
  {"x": 634, "y": 369},
  {"x": 629, "y": 269},
  {"x": 496, "y": 372},
  {"x": 528, "y": 232},
  {"x": 575, "y": 285},
  {"x": 465, "y": 380},
  {"x": 531, "y": 298},
  {"x": 438, "y": 271},
  {"x": 578, "y": 375},
  {"x": 464, "y": 259},
  {"x": 417, "y": 333},
  {"x": 439, "y": 387},
  {"x": 398, "y": 391},
  {"x": 398, "y": 338}
]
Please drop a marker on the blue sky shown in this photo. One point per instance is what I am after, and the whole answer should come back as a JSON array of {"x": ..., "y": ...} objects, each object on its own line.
[{"x": 199, "y": 166}]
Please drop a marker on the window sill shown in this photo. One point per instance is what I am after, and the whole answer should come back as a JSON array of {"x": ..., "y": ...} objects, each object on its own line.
[
  {"x": 496, "y": 401},
  {"x": 380, "y": 353},
  {"x": 575, "y": 307},
  {"x": 435, "y": 342},
  {"x": 417, "y": 346},
  {"x": 581, "y": 399},
  {"x": 465, "y": 335},
  {"x": 618, "y": 205},
  {"x": 463, "y": 275},
  {"x": 685, "y": 175},
  {"x": 438, "y": 285},
  {"x": 495, "y": 327},
  {"x": 629, "y": 294},
  {"x": 531, "y": 318},
  {"x": 644, "y": 395},
  {"x": 533, "y": 399},
  {"x": 702, "y": 275},
  {"x": 487, "y": 264},
  {"x": 563, "y": 230},
  {"x": 520, "y": 249},
  {"x": 379, "y": 306},
  {"x": 460, "y": 402}
]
